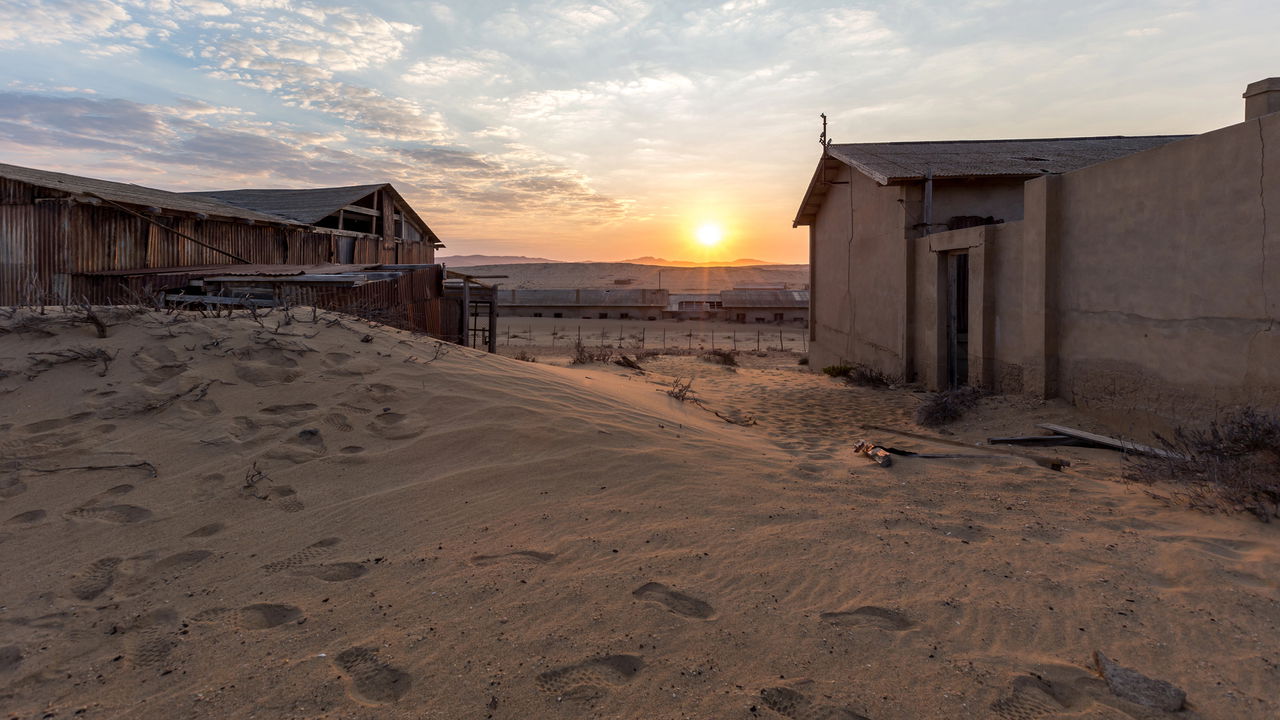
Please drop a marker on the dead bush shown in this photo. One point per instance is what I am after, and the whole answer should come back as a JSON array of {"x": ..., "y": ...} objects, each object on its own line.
[
  {"x": 838, "y": 371},
  {"x": 1233, "y": 465},
  {"x": 584, "y": 355},
  {"x": 526, "y": 357},
  {"x": 680, "y": 389},
  {"x": 723, "y": 357},
  {"x": 864, "y": 375},
  {"x": 947, "y": 406},
  {"x": 629, "y": 362}
]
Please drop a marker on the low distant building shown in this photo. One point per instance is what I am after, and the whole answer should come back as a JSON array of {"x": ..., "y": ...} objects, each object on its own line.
[
  {"x": 777, "y": 307},
  {"x": 694, "y": 306},
  {"x": 584, "y": 304}
]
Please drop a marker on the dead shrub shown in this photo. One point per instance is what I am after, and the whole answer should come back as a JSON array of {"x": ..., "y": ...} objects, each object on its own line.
[
  {"x": 947, "y": 406},
  {"x": 629, "y": 362},
  {"x": 526, "y": 357},
  {"x": 680, "y": 389},
  {"x": 1233, "y": 465},
  {"x": 863, "y": 375},
  {"x": 584, "y": 355},
  {"x": 838, "y": 371},
  {"x": 723, "y": 357}
]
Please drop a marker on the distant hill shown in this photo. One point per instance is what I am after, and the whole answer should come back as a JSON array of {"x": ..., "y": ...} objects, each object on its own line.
[
  {"x": 470, "y": 260},
  {"x": 740, "y": 262},
  {"x": 612, "y": 275}
]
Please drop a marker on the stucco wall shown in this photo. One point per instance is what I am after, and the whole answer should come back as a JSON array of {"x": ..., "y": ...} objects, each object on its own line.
[
  {"x": 859, "y": 267},
  {"x": 1000, "y": 198},
  {"x": 1167, "y": 273}
]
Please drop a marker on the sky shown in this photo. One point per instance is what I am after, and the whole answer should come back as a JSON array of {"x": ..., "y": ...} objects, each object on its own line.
[{"x": 594, "y": 130}]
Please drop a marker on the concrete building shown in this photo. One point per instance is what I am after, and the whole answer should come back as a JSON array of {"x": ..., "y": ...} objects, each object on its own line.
[
  {"x": 775, "y": 307},
  {"x": 694, "y": 306},
  {"x": 584, "y": 304},
  {"x": 1136, "y": 276}
]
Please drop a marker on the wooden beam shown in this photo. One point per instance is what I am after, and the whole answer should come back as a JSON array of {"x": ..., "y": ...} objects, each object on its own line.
[
  {"x": 1108, "y": 442},
  {"x": 360, "y": 210}
]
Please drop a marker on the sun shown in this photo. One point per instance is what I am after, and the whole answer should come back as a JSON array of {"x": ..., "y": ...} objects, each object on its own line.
[{"x": 709, "y": 235}]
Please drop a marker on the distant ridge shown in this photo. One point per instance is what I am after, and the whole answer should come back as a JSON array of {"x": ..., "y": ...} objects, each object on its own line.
[
  {"x": 740, "y": 262},
  {"x": 470, "y": 260}
]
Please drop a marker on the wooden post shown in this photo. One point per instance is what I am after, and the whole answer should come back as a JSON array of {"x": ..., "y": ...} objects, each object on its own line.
[
  {"x": 466, "y": 313},
  {"x": 781, "y": 346},
  {"x": 493, "y": 323},
  {"x": 642, "y": 338},
  {"x": 757, "y": 341},
  {"x": 664, "y": 338},
  {"x": 579, "y": 334},
  {"x": 619, "y": 336},
  {"x": 735, "y": 340}
]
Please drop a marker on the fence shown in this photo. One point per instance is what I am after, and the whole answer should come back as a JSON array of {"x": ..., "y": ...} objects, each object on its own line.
[{"x": 517, "y": 334}]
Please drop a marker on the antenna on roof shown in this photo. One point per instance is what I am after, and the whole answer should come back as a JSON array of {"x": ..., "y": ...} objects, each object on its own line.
[{"x": 823, "y": 139}]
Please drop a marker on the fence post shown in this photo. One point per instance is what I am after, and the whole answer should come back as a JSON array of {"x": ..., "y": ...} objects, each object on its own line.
[
  {"x": 642, "y": 337},
  {"x": 780, "y": 345},
  {"x": 735, "y": 340},
  {"x": 757, "y": 341},
  {"x": 579, "y": 334}
]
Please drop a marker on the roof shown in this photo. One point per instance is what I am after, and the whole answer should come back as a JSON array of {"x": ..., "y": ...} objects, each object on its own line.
[
  {"x": 584, "y": 298},
  {"x": 308, "y": 205},
  {"x": 129, "y": 194},
  {"x": 900, "y": 162},
  {"x": 256, "y": 269},
  {"x": 311, "y": 205},
  {"x": 765, "y": 298}
]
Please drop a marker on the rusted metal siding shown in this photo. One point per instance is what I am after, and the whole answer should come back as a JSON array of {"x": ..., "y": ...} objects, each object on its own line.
[{"x": 47, "y": 239}]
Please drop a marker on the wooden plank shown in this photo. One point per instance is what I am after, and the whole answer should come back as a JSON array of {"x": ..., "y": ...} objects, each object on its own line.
[
  {"x": 1034, "y": 440},
  {"x": 1108, "y": 442}
]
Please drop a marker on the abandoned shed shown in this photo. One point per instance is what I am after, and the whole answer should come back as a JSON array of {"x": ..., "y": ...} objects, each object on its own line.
[
  {"x": 1128, "y": 274},
  {"x": 629, "y": 304},
  {"x": 66, "y": 238},
  {"x": 777, "y": 307}
]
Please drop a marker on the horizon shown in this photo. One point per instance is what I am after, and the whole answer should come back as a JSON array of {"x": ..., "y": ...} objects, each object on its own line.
[{"x": 561, "y": 128}]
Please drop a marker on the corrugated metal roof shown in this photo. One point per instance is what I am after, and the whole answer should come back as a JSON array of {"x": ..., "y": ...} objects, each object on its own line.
[
  {"x": 250, "y": 269},
  {"x": 674, "y": 299},
  {"x": 583, "y": 298},
  {"x": 306, "y": 205},
  {"x": 765, "y": 298},
  {"x": 129, "y": 194},
  {"x": 898, "y": 162}
]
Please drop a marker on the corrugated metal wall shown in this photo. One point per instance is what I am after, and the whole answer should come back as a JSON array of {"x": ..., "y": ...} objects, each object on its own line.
[{"x": 44, "y": 243}]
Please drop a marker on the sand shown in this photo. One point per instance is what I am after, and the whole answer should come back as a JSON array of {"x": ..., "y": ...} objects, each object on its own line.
[{"x": 228, "y": 519}]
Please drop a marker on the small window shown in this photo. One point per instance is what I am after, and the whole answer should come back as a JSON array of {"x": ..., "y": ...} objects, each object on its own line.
[
  {"x": 537, "y": 314},
  {"x": 624, "y": 316},
  {"x": 777, "y": 317},
  {"x": 559, "y": 315},
  {"x": 604, "y": 316}
]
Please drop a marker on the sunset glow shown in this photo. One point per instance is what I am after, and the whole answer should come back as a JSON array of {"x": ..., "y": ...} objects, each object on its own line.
[{"x": 709, "y": 235}]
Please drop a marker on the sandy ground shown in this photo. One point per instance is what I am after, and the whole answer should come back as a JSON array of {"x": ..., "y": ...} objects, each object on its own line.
[
  {"x": 229, "y": 519},
  {"x": 615, "y": 275}
]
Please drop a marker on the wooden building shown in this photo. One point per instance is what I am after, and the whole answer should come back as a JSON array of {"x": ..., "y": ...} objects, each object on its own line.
[{"x": 70, "y": 239}]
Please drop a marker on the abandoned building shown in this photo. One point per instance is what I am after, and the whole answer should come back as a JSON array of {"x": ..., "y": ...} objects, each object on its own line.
[
  {"x": 1134, "y": 275},
  {"x": 693, "y": 306},
  {"x": 584, "y": 304},
  {"x": 777, "y": 307},
  {"x": 71, "y": 239}
]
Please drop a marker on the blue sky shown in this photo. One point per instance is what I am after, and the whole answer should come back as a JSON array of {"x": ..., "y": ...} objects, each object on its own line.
[{"x": 601, "y": 130}]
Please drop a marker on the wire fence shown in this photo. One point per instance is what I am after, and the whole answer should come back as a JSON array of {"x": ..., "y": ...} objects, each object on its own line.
[{"x": 514, "y": 334}]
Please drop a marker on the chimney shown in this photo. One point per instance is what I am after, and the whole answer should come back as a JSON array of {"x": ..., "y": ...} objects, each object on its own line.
[{"x": 1262, "y": 98}]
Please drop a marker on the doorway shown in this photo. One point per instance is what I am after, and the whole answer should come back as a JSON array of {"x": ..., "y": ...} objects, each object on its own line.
[{"x": 957, "y": 318}]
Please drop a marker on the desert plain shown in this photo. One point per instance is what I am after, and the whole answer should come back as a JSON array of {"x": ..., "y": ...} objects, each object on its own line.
[{"x": 305, "y": 515}]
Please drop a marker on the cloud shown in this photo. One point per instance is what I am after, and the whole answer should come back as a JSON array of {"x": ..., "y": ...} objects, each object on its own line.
[
  {"x": 51, "y": 22},
  {"x": 442, "y": 70}
]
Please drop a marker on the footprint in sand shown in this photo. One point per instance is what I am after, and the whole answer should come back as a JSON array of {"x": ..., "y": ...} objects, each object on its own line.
[
  {"x": 331, "y": 572},
  {"x": 116, "y": 514},
  {"x": 26, "y": 518},
  {"x": 305, "y": 556},
  {"x": 674, "y": 600},
  {"x": 370, "y": 680},
  {"x": 259, "y": 616},
  {"x": 11, "y": 487},
  {"x": 94, "y": 580},
  {"x": 798, "y": 706},
  {"x": 288, "y": 409},
  {"x": 152, "y": 638},
  {"x": 180, "y": 562},
  {"x": 869, "y": 616},
  {"x": 207, "y": 530},
  {"x": 337, "y": 421},
  {"x": 518, "y": 556},
  {"x": 590, "y": 678},
  {"x": 1030, "y": 698},
  {"x": 393, "y": 426},
  {"x": 10, "y": 658}
]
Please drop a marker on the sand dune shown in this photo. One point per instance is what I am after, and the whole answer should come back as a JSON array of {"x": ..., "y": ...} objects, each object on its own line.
[{"x": 229, "y": 518}]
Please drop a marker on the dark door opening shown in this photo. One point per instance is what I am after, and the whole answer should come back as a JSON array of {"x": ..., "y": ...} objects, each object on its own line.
[{"x": 957, "y": 319}]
